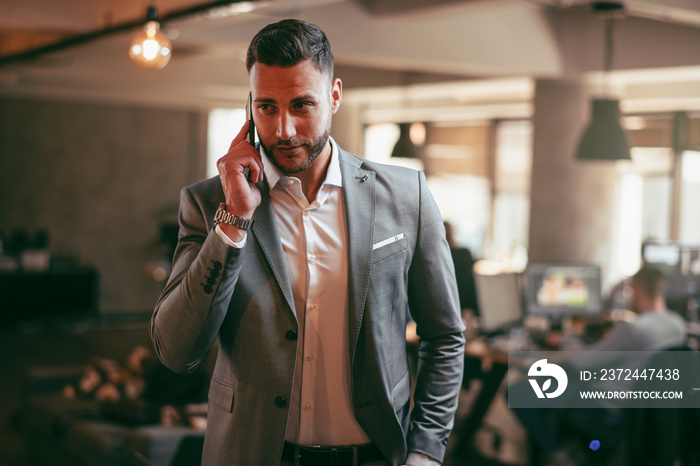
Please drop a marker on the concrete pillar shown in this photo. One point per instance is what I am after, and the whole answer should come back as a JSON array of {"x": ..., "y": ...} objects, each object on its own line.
[{"x": 572, "y": 202}]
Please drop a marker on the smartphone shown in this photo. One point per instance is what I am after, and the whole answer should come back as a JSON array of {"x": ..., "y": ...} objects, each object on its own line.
[
  {"x": 249, "y": 115},
  {"x": 251, "y": 128}
]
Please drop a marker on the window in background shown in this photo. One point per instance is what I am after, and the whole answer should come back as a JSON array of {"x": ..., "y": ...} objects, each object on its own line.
[
  {"x": 464, "y": 202},
  {"x": 644, "y": 206},
  {"x": 629, "y": 225},
  {"x": 456, "y": 163},
  {"x": 511, "y": 206},
  {"x": 224, "y": 125},
  {"x": 690, "y": 193}
]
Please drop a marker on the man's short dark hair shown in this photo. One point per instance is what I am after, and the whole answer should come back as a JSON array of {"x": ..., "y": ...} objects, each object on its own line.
[
  {"x": 650, "y": 280},
  {"x": 290, "y": 42}
]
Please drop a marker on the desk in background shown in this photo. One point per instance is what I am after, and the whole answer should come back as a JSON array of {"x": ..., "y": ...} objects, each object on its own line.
[
  {"x": 492, "y": 354},
  {"x": 39, "y": 295}
]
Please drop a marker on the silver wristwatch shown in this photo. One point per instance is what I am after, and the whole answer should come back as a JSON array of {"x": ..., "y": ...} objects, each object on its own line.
[{"x": 222, "y": 216}]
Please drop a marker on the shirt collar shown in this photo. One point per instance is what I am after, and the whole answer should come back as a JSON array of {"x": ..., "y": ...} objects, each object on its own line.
[{"x": 333, "y": 175}]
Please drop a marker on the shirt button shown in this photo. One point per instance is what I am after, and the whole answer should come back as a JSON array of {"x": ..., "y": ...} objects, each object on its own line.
[
  {"x": 312, "y": 258},
  {"x": 291, "y": 335},
  {"x": 312, "y": 307},
  {"x": 307, "y": 406},
  {"x": 306, "y": 213},
  {"x": 281, "y": 402},
  {"x": 309, "y": 357}
]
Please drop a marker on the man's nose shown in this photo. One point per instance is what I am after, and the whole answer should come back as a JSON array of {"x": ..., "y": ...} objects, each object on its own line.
[{"x": 285, "y": 126}]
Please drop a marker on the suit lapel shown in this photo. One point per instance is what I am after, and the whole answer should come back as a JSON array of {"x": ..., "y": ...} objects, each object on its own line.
[
  {"x": 359, "y": 199},
  {"x": 265, "y": 230}
]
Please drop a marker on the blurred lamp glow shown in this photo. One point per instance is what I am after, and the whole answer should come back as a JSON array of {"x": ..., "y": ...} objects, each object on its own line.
[{"x": 151, "y": 48}]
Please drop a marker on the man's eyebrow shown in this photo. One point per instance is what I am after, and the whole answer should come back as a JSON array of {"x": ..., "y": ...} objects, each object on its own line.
[
  {"x": 303, "y": 98},
  {"x": 268, "y": 100}
]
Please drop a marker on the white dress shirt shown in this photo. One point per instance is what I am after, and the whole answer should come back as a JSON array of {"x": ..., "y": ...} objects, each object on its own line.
[{"x": 314, "y": 241}]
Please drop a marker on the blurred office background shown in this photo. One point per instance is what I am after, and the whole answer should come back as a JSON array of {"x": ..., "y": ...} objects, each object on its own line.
[{"x": 495, "y": 96}]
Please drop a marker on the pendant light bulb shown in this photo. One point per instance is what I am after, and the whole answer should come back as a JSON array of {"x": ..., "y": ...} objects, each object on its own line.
[{"x": 151, "y": 48}]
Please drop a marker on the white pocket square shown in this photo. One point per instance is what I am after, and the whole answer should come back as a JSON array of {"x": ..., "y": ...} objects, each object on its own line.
[{"x": 388, "y": 241}]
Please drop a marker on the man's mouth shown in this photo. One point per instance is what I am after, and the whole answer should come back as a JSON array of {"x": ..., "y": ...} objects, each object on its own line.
[{"x": 288, "y": 151}]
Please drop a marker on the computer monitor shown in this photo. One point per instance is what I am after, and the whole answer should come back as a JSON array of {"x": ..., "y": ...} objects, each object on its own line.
[
  {"x": 560, "y": 290},
  {"x": 500, "y": 303}
]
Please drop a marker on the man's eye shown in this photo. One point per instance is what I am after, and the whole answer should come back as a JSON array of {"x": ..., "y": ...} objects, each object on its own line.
[{"x": 301, "y": 105}]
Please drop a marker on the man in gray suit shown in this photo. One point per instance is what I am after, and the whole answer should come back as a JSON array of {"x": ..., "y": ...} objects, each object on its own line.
[{"x": 304, "y": 260}]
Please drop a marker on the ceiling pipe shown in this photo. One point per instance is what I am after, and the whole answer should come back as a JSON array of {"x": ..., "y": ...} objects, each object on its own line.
[{"x": 126, "y": 26}]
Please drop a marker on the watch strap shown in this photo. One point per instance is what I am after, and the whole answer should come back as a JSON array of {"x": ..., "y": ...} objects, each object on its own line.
[{"x": 222, "y": 216}]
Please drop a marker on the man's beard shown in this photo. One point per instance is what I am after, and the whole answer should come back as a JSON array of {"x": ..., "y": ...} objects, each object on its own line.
[{"x": 314, "y": 149}]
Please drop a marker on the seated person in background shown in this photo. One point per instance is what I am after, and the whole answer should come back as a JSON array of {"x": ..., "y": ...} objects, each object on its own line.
[
  {"x": 468, "y": 303},
  {"x": 464, "y": 273},
  {"x": 655, "y": 328}
]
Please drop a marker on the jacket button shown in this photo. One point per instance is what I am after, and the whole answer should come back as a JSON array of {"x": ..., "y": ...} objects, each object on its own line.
[
  {"x": 217, "y": 265},
  {"x": 281, "y": 401},
  {"x": 213, "y": 273},
  {"x": 211, "y": 280},
  {"x": 291, "y": 335},
  {"x": 208, "y": 289}
]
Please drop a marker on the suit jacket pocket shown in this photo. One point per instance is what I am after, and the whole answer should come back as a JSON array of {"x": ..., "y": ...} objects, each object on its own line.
[
  {"x": 401, "y": 392},
  {"x": 387, "y": 250},
  {"x": 221, "y": 395}
]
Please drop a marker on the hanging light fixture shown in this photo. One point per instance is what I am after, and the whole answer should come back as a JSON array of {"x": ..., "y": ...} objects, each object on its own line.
[
  {"x": 404, "y": 146},
  {"x": 151, "y": 48},
  {"x": 604, "y": 138}
]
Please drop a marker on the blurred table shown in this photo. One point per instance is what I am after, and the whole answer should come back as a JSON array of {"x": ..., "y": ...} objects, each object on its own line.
[{"x": 38, "y": 295}]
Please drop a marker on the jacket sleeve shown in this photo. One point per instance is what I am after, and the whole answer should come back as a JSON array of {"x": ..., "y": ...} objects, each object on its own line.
[
  {"x": 194, "y": 302},
  {"x": 434, "y": 305}
]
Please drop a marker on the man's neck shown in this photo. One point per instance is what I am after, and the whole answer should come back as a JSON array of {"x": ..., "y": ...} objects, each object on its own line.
[
  {"x": 658, "y": 305},
  {"x": 313, "y": 176}
]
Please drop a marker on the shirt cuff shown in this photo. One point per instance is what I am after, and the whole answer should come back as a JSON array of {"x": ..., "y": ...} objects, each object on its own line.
[
  {"x": 229, "y": 242},
  {"x": 416, "y": 459}
]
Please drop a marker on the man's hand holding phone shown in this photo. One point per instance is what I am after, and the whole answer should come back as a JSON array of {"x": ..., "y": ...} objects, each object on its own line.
[{"x": 239, "y": 169}]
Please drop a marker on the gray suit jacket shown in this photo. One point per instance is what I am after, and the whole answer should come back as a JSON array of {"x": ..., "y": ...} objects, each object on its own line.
[{"x": 244, "y": 296}]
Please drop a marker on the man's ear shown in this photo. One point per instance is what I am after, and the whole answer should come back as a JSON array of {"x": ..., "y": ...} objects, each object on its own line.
[{"x": 336, "y": 94}]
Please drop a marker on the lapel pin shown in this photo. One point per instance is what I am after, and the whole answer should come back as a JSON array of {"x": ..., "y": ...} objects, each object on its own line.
[{"x": 362, "y": 178}]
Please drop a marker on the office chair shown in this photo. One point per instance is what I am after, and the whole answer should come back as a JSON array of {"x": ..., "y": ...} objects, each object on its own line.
[{"x": 663, "y": 436}]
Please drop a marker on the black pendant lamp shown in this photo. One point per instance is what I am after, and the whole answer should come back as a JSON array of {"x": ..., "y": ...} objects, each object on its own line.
[
  {"x": 604, "y": 138},
  {"x": 404, "y": 146}
]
